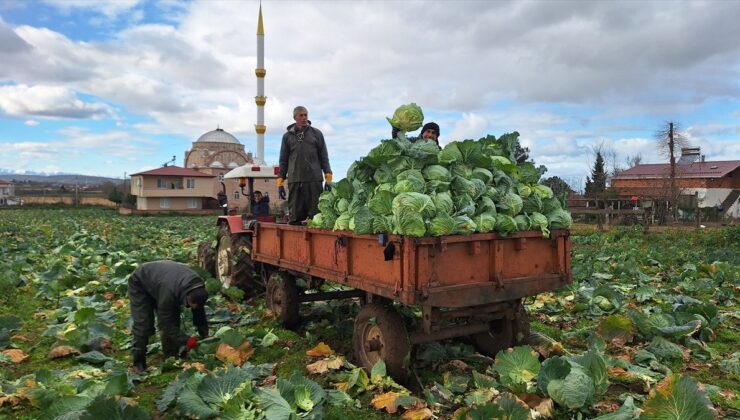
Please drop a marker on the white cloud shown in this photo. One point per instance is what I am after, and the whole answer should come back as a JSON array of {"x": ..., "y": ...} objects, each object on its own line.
[
  {"x": 48, "y": 101},
  {"x": 469, "y": 127},
  {"x": 109, "y": 9},
  {"x": 31, "y": 123},
  {"x": 352, "y": 63}
]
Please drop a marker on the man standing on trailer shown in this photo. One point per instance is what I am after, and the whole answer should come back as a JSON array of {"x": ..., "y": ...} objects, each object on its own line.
[
  {"x": 303, "y": 158},
  {"x": 163, "y": 287}
]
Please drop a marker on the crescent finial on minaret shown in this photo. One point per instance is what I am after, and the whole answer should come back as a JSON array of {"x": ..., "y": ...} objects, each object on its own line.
[{"x": 260, "y": 28}]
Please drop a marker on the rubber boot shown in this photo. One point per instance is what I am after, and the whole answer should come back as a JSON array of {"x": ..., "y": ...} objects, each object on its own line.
[{"x": 139, "y": 361}]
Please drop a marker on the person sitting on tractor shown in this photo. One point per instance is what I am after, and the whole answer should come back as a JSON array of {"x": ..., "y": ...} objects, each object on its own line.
[
  {"x": 163, "y": 287},
  {"x": 259, "y": 205}
]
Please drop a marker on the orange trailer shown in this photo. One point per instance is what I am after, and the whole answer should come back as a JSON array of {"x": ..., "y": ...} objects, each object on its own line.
[{"x": 464, "y": 285}]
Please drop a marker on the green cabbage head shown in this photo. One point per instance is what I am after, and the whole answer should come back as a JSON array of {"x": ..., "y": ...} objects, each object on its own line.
[
  {"x": 407, "y": 117},
  {"x": 559, "y": 219},
  {"x": 443, "y": 224}
]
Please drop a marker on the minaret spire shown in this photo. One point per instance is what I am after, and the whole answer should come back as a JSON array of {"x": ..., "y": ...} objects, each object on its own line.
[{"x": 260, "y": 99}]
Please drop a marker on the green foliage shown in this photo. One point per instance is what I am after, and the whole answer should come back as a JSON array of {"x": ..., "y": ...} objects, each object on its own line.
[
  {"x": 517, "y": 367},
  {"x": 678, "y": 398}
]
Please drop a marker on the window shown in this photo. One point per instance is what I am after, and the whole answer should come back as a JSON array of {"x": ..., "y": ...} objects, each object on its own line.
[
  {"x": 192, "y": 203},
  {"x": 138, "y": 182},
  {"x": 190, "y": 182},
  {"x": 164, "y": 203},
  {"x": 236, "y": 195},
  {"x": 161, "y": 183},
  {"x": 220, "y": 176}
]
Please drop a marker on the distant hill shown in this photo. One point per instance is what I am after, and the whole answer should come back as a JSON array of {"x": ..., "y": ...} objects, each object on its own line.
[{"x": 61, "y": 178}]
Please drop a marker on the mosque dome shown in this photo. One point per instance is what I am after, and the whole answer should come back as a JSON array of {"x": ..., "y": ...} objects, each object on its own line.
[{"x": 217, "y": 136}]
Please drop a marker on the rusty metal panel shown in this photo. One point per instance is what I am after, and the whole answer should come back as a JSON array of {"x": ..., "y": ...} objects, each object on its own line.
[
  {"x": 452, "y": 271},
  {"x": 366, "y": 260}
]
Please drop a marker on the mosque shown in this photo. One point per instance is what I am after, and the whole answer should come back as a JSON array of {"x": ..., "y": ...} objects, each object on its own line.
[
  {"x": 195, "y": 186},
  {"x": 218, "y": 152}
]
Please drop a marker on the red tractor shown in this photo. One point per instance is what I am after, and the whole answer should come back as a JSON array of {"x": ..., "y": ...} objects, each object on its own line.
[{"x": 230, "y": 261}]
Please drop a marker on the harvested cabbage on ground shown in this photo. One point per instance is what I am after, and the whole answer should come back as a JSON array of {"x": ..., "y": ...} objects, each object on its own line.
[{"x": 415, "y": 189}]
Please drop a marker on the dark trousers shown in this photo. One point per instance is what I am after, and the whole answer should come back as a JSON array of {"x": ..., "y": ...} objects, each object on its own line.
[
  {"x": 143, "y": 309},
  {"x": 303, "y": 200}
]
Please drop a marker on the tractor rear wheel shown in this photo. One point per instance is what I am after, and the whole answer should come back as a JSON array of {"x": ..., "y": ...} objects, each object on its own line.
[
  {"x": 282, "y": 298},
  {"x": 380, "y": 333},
  {"x": 234, "y": 265}
]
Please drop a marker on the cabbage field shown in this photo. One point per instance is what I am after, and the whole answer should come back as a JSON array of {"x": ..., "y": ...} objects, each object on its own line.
[{"x": 648, "y": 329}]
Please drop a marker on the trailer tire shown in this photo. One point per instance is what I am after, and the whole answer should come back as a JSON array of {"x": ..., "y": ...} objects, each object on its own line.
[
  {"x": 282, "y": 298},
  {"x": 379, "y": 333},
  {"x": 207, "y": 258},
  {"x": 520, "y": 325},
  {"x": 234, "y": 265},
  {"x": 499, "y": 336},
  {"x": 504, "y": 333}
]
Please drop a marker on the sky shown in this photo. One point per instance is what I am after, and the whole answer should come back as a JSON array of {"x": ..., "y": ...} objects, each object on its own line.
[{"x": 112, "y": 87}]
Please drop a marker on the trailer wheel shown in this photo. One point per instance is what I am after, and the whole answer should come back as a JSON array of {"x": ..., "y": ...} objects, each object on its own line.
[
  {"x": 498, "y": 337},
  {"x": 282, "y": 298},
  {"x": 234, "y": 265},
  {"x": 504, "y": 333},
  {"x": 380, "y": 333},
  {"x": 520, "y": 325}
]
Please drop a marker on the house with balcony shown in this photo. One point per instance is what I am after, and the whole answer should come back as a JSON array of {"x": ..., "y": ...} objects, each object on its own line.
[
  {"x": 171, "y": 188},
  {"x": 7, "y": 194}
]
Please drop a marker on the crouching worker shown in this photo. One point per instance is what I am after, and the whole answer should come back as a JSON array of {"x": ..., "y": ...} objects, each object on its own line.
[{"x": 164, "y": 287}]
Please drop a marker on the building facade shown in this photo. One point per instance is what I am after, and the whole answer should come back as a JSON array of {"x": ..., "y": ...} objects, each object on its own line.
[
  {"x": 172, "y": 188},
  {"x": 7, "y": 194}
]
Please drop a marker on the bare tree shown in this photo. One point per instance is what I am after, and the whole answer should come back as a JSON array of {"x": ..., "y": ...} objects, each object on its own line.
[
  {"x": 671, "y": 140},
  {"x": 633, "y": 161}
]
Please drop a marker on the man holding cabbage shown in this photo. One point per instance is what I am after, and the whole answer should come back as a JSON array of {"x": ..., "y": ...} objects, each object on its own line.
[
  {"x": 410, "y": 117},
  {"x": 303, "y": 158}
]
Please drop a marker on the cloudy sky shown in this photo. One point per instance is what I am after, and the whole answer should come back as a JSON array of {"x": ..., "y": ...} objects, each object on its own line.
[{"x": 104, "y": 88}]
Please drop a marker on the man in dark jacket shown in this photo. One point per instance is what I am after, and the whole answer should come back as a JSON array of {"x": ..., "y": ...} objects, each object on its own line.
[
  {"x": 164, "y": 287},
  {"x": 303, "y": 158}
]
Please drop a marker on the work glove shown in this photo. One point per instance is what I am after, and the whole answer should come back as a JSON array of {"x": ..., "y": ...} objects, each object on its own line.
[
  {"x": 394, "y": 132},
  {"x": 281, "y": 188},
  {"x": 191, "y": 343},
  {"x": 327, "y": 181}
]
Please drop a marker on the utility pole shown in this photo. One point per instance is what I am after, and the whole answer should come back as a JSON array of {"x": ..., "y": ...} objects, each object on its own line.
[{"x": 671, "y": 146}]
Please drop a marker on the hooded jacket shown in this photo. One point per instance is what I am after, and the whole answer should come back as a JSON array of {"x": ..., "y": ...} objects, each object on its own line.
[{"x": 303, "y": 156}]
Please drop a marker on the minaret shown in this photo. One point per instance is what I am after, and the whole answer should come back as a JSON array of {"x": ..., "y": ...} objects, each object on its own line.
[{"x": 260, "y": 99}]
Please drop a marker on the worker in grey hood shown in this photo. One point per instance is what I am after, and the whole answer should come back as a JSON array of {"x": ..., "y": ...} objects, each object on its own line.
[
  {"x": 303, "y": 160},
  {"x": 163, "y": 288}
]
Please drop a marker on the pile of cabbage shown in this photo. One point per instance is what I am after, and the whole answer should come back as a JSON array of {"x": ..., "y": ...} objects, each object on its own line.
[{"x": 415, "y": 189}]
